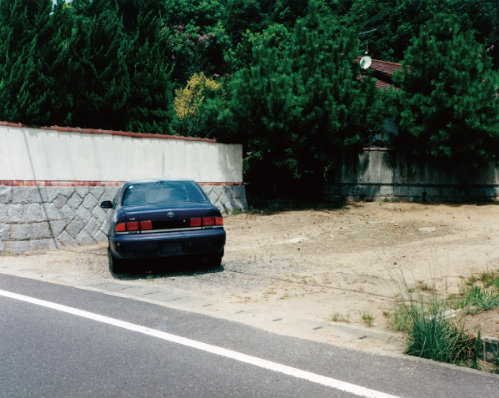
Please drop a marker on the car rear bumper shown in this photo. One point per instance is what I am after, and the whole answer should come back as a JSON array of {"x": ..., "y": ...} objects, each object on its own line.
[{"x": 169, "y": 244}]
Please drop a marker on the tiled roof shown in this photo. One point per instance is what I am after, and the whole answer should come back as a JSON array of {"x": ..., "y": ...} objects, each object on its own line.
[
  {"x": 111, "y": 132},
  {"x": 383, "y": 71},
  {"x": 382, "y": 85},
  {"x": 86, "y": 183},
  {"x": 383, "y": 67}
]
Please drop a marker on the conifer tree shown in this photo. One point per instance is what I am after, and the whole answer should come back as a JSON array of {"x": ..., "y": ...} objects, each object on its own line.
[
  {"x": 33, "y": 61},
  {"x": 150, "y": 103},
  {"x": 288, "y": 106},
  {"x": 447, "y": 106},
  {"x": 99, "y": 77},
  {"x": 242, "y": 15}
]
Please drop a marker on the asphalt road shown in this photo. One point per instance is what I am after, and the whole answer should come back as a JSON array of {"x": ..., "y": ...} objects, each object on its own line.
[{"x": 46, "y": 352}]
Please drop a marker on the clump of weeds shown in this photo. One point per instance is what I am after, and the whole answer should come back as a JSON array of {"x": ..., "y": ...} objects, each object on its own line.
[
  {"x": 475, "y": 299},
  {"x": 368, "y": 318},
  {"x": 433, "y": 336},
  {"x": 488, "y": 278},
  {"x": 338, "y": 317},
  {"x": 399, "y": 319},
  {"x": 471, "y": 280},
  {"x": 431, "y": 333},
  {"x": 424, "y": 287},
  {"x": 236, "y": 211}
]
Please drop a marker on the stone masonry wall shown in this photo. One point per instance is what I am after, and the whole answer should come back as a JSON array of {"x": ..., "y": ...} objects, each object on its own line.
[{"x": 45, "y": 217}]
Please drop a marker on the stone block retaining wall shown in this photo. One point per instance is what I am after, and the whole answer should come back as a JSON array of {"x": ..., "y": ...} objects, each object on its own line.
[
  {"x": 45, "y": 217},
  {"x": 53, "y": 179}
]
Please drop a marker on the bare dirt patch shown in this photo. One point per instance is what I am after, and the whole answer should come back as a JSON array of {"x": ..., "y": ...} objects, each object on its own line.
[
  {"x": 487, "y": 322},
  {"x": 327, "y": 265}
]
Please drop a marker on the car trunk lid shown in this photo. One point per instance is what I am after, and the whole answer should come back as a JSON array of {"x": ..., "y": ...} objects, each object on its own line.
[{"x": 170, "y": 216}]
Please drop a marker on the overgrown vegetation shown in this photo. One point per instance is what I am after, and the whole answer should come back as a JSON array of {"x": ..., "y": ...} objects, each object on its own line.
[
  {"x": 475, "y": 299},
  {"x": 479, "y": 292},
  {"x": 393, "y": 24},
  {"x": 85, "y": 64},
  {"x": 198, "y": 105},
  {"x": 277, "y": 76},
  {"x": 432, "y": 334},
  {"x": 433, "y": 329},
  {"x": 447, "y": 106},
  {"x": 288, "y": 105}
]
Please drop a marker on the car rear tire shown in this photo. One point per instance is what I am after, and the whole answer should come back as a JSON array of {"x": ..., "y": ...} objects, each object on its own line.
[{"x": 117, "y": 265}]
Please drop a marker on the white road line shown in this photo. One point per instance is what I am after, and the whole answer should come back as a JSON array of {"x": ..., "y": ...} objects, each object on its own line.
[{"x": 261, "y": 363}]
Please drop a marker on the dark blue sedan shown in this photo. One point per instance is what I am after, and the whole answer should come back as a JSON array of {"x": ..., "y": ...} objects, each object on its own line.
[{"x": 163, "y": 218}]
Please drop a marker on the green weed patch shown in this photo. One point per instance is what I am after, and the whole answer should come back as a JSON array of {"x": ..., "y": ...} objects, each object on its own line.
[{"x": 475, "y": 299}]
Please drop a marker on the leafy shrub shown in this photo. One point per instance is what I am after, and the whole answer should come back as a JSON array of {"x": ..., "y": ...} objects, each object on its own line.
[
  {"x": 275, "y": 37},
  {"x": 198, "y": 105},
  {"x": 198, "y": 50}
]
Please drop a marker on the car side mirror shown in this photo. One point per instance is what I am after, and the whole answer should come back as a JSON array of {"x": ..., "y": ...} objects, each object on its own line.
[{"x": 107, "y": 204}]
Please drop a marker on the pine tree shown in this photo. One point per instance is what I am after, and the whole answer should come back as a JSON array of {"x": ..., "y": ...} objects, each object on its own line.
[
  {"x": 447, "y": 105},
  {"x": 99, "y": 77},
  {"x": 242, "y": 15},
  {"x": 33, "y": 56},
  {"x": 150, "y": 103},
  {"x": 288, "y": 106}
]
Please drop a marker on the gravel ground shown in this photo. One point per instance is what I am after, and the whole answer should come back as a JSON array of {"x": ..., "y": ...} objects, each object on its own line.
[{"x": 319, "y": 264}]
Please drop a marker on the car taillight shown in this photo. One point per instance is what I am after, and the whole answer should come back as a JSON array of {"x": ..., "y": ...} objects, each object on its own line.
[
  {"x": 195, "y": 222},
  {"x": 145, "y": 225},
  {"x": 219, "y": 221},
  {"x": 132, "y": 226},
  {"x": 120, "y": 227},
  {"x": 208, "y": 221}
]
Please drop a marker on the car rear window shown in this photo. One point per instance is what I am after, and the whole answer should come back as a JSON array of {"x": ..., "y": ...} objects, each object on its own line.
[{"x": 154, "y": 193}]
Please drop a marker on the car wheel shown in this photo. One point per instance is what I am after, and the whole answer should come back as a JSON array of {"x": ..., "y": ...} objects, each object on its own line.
[
  {"x": 215, "y": 260},
  {"x": 117, "y": 265}
]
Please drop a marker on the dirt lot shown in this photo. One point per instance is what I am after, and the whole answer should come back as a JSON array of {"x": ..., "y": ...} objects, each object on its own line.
[{"x": 326, "y": 265}]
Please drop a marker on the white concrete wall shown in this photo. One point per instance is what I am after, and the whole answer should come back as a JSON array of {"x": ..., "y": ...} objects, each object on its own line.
[{"x": 38, "y": 154}]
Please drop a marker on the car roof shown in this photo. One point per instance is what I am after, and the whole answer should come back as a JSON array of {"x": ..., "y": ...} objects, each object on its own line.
[{"x": 158, "y": 180}]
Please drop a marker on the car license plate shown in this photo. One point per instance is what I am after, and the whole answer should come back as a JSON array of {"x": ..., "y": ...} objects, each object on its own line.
[{"x": 172, "y": 248}]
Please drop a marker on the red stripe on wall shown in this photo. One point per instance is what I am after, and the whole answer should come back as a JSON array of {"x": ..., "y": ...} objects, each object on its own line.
[{"x": 57, "y": 183}]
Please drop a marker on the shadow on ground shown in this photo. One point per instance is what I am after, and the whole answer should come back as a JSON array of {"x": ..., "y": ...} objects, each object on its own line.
[
  {"x": 165, "y": 268},
  {"x": 270, "y": 207}
]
